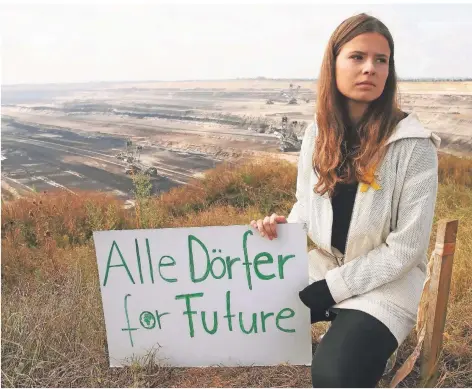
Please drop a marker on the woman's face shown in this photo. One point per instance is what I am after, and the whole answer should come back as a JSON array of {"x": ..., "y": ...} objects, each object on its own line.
[{"x": 362, "y": 67}]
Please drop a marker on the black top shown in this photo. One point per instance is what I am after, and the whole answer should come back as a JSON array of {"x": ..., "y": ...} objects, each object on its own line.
[
  {"x": 344, "y": 195},
  {"x": 343, "y": 203}
]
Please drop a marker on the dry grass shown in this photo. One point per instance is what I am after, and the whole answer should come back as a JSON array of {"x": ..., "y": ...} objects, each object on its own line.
[
  {"x": 455, "y": 171},
  {"x": 53, "y": 332}
]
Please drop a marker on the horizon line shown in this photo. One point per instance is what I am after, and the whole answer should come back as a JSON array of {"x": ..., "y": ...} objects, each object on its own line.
[{"x": 261, "y": 78}]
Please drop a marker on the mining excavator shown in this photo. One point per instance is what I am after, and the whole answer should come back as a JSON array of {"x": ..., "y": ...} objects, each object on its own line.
[
  {"x": 132, "y": 157},
  {"x": 290, "y": 95},
  {"x": 288, "y": 138}
]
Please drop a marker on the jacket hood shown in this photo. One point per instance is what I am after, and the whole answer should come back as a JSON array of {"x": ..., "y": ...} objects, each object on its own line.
[{"x": 411, "y": 127}]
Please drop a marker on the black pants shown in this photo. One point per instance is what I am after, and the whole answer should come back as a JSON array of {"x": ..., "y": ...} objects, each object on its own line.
[{"x": 353, "y": 353}]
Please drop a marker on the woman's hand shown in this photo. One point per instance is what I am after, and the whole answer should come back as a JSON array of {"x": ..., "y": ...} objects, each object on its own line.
[{"x": 268, "y": 225}]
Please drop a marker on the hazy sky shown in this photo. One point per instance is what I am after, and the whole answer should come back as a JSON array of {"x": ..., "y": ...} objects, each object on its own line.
[{"x": 75, "y": 43}]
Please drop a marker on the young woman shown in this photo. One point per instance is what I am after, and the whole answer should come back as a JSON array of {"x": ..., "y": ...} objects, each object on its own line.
[{"x": 366, "y": 192}]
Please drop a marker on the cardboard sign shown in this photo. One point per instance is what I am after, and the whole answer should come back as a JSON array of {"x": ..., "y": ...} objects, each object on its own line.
[{"x": 205, "y": 296}]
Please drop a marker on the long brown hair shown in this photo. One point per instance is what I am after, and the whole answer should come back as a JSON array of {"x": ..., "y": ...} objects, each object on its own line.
[{"x": 375, "y": 126}]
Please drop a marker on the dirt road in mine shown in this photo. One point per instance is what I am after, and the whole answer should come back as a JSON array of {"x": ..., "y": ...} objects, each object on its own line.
[{"x": 34, "y": 160}]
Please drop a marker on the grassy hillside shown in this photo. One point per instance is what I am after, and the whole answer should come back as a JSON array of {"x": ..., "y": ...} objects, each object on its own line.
[{"x": 53, "y": 332}]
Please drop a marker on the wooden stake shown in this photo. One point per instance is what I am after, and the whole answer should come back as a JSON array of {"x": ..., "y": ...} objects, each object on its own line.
[{"x": 438, "y": 295}]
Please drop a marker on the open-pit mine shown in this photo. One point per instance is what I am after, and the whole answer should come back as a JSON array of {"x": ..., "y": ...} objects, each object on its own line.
[{"x": 95, "y": 136}]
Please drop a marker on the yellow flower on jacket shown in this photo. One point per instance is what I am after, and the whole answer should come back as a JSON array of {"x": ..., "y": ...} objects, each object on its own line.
[{"x": 369, "y": 180}]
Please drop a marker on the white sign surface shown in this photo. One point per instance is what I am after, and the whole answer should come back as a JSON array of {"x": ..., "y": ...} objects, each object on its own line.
[{"x": 205, "y": 296}]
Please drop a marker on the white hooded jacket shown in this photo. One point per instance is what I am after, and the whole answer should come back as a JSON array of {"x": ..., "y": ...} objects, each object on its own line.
[{"x": 384, "y": 266}]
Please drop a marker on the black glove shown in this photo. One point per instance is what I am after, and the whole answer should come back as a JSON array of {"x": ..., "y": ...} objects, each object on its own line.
[{"x": 317, "y": 297}]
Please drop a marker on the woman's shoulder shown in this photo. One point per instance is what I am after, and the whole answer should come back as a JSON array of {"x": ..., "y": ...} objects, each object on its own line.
[
  {"x": 410, "y": 131},
  {"x": 413, "y": 156},
  {"x": 415, "y": 147}
]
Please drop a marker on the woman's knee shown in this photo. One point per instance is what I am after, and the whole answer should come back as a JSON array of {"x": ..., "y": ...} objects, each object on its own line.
[
  {"x": 349, "y": 376},
  {"x": 328, "y": 377},
  {"x": 353, "y": 353}
]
